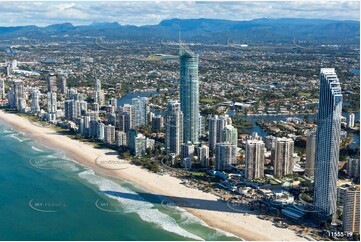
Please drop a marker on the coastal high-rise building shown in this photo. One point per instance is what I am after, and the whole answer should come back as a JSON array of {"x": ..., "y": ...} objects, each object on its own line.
[
  {"x": 99, "y": 94},
  {"x": 270, "y": 142},
  {"x": 94, "y": 115},
  {"x": 19, "y": 95},
  {"x": 109, "y": 134},
  {"x": 132, "y": 134},
  {"x": 173, "y": 127},
  {"x": 8, "y": 70},
  {"x": 189, "y": 95},
  {"x": 35, "y": 98},
  {"x": 71, "y": 93},
  {"x": 140, "y": 145},
  {"x": 202, "y": 125},
  {"x": 113, "y": 102},
  {"x": 93, "y": 128},
  {"x": 141, "y": 111},
  {"x": 226, "y": 156},
  {"x": 215, "y": 128},
  {"x": 69, "y": 109},
  {"x": 353, "y": 167},
  {"x": 11, "y": 99},
  {"x": 126, "y": 122},
  {"x": 157, "y": 123},
  {"x": 187, "y": 151},
  {"x": 52, "y": 83},
  {"x": 229, "y": 135},
  {"x": 283, "y": 158},
  {"x": 121, "y": 138},
  {"x": 254, "y": 159},
  {"x": 351, "y": 120},
  {"x": 100, "y": 131},
  {"x": 62, "y": 84},
  {"x": 351, "y": 210},
  {"x": 52, "y": 106},
  {"x": 86, "y": 128},
  {"x": 212, "y": 132},
  {"x": 74, "y": 109},
  {"x": 203, "y": 155},
  {"x": 328, "y": 142},
  {"x": 137, "y": 143},
  {"x": 2, "y": 90},
  {"x": 310, "y": 153}
]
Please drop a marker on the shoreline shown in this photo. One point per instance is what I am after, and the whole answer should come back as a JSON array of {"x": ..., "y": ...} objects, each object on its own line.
[{"x": 216, "y": 214}]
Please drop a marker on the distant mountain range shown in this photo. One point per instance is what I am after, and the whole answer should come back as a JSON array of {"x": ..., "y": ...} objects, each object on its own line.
[{"x": 205, "y": 30}]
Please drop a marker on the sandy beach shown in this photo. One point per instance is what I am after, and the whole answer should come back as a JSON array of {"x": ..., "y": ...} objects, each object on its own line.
[{"x": 203, "y": 205}]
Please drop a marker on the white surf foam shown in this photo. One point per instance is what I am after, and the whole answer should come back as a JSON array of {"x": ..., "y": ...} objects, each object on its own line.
[
  {"x": 144, "y": 209},
  {"x": 37, "y": 149},
  {"x": 188, "y": 218},
  {"x": 15, "y": 137},
  {"x": 7, "y": 131}
]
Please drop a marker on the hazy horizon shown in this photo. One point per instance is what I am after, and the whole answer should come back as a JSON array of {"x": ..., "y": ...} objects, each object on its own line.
[{"x": 140, "y": 13}]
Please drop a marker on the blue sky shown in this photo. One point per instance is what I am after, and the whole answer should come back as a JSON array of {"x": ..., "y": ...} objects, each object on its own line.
[{"x": 138, "y": 13}]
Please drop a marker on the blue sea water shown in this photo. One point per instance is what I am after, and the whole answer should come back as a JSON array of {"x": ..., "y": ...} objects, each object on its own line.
[{"x": 45, "y": 196}]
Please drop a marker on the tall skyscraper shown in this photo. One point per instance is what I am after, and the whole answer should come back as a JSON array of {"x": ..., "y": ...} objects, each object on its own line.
[
  {"x": 127, "y": 121},
  {"x": 283, "y": 158},
  {"x": 226, "y": 155},
  {"x": 74, "y": 109},
  {"x": 62, "y": 84},
  {"x": 141, "y": 111},
  {"x": 19, "y": 95},
  {"x": 187, "y": 151},
  {"x": 215, "y": 128},
  {"x": 202, "y": 125},
  {"x": 137, "y": 143},
  {"x": 121, "y": 138},
  {"x": 93, "y": 128},
  {"x": 86, "y": 126},
  {"x": 270, "y": 142},
  {"x": 109, "y": 134},
  {"x": 124, "y": 122},
  {"x": 351, "y": 120},
  {"x": 310, "y": 153},
  {"x": 35, "y": 97},
  {"x": 100, "y": 131},
  {"x": 157, "y": 123},
  {"x": 203, "y": 155},
  {"x": 2, "y": 90},
  {"x": 189, "y": 95},
  {"x": 99, "y": 94},
  {"x": 52, "y": 83},
  {"x": 173, "y": 127},
  {"x": 353, "y": 167},
  {"x": 52, "y": 106},
  {"x": 328, "y": 142},
  {"x": 351, "y": 210},
  {"x": 254, "y": 159},
  {"x": 229, "y": 135}
]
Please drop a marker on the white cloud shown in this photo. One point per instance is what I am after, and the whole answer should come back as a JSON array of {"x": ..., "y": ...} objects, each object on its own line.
[{"x": 142, "y": 13}]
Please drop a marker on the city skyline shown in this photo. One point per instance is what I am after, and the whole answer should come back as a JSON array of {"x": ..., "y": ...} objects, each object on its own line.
[{"x": 239, "y": 124}]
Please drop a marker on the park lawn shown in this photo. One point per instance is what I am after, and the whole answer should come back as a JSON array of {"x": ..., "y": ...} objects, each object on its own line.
[
  {"x": 306, "y": 94},
  {"x": 208, "y": 100}
]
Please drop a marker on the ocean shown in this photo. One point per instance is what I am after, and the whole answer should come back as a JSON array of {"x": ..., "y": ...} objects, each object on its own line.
[{"x": 46, "y": 196}]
